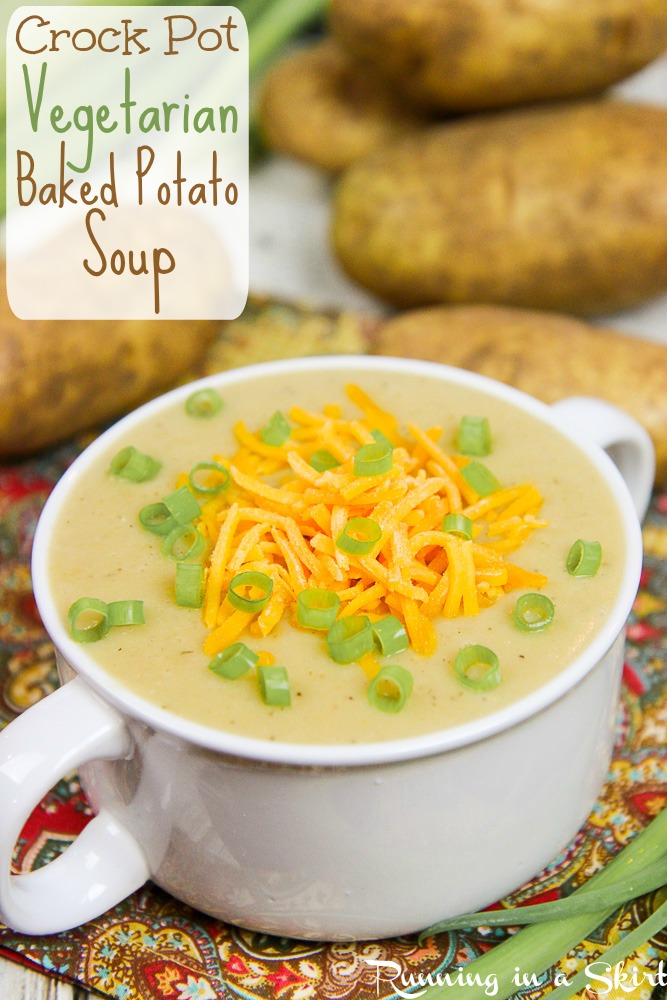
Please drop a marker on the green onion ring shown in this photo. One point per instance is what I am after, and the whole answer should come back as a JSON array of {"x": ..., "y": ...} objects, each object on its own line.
[
  {"x": 474, "y": 436},
  {"x": 373, "y": 460},
  {"x": 359, "y": 536},
  {"x": 88, "y": 619},
  {"x": 184, "y": 542},
  {"x": 234, "y": 661},
  {"x": 480, "y": 478},
  {"x": 381, "y": 438},
  {"x": 389, "y": 635},
  {"x": 349, "y": 638},
  {"x": 203, "y": 404},
  {"x": 317, "y": 608},
  {"x": 477, "y": 656},
  {"x": 399, "y": 682},
  {"x": 182, "y": 505},
  {"x": 155, "y": 517},
  {"x": 274, "y": 686},
  {"x": 457, "y": 524},
  {"x": 189, "y": 585},
  {"x": 135, "y": 466},
  {"x": 584, "y": 558},
  {"x": 276, "y": 430},
  {"x": 533, "y": 612},
  {"x": 323, "y": 460},
  {"x": 249, "y": 578},
  {"x": 126, "y": 613},
  {"x": 212, "y": 467}
]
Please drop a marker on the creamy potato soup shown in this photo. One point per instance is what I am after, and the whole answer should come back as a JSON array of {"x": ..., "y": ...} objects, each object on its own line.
[{"x": 101, "y": 550}]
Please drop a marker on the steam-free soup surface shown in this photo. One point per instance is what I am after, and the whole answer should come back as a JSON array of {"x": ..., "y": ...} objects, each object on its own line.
[{"x": 100, "y": 550}]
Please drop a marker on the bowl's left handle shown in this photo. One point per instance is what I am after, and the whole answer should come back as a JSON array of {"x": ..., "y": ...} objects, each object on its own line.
[{"x": 105, "y": 863}]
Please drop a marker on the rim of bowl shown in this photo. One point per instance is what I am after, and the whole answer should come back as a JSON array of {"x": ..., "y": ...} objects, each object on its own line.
[{"x": 337, "y": 755}]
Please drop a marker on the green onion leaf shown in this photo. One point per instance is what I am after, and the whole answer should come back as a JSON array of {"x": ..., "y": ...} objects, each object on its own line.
[
  {"x": 477, "y": 667},
  {"x": 457, "y": 524},
  {"x": 156, "y": 518},
  {"x": 480, "y": 478},
  {"x": 183, "y": 543},
  {"x": 134, "y": 465},
  {"x": 373, "y": 460},
  {"x": 349, "y": 638},
  {"x": 248, "y": 581},
  {"x": 234, "y": 661},
  {"x": 215, "y": 479},
  {"x": 359, "y": 536},
  {"x": 88, "y": 619},
  {"x": 584, "y": 558},
  {"x": 126, "y": 613},
  {"x": 389, "y": 635},
  {"x": 323, "y": 460},
  {"x": 533, "y": 612},
  {"x": 317, "y": 608},
  {"x": 203, "y": 404},
  {"x": 274, "y": 686},
  {"x": 390, "y": 688},
  {"x": 474, "y": 436},
  {"x": 189, "y": 585},
  {"x": 182, "y": 505},
  {"x": 276, "y": 430}
]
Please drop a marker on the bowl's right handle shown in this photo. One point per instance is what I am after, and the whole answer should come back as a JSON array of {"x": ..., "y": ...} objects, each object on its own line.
[
  {"x": 626, "y": 442},
  {"x": 105, "y": 863}
]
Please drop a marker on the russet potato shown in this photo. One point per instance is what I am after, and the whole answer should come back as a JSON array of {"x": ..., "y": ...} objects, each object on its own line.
[
  {"x": 466, "y": 55},
  {"x": 547, "y": 355},
  {"x": 559, "y": 207}
]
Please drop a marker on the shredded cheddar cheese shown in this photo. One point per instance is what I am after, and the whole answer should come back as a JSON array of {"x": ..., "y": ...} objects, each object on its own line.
[{"x": 282, "y": 517}]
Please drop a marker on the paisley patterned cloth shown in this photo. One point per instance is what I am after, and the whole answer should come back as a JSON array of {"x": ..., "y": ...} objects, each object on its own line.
[{"x": 152, "y": 947}]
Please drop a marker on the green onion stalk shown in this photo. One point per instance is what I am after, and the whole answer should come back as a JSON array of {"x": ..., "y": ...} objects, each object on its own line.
[
  {"x": 640, "y": 867},
  {"x": 271, "y": 25}
]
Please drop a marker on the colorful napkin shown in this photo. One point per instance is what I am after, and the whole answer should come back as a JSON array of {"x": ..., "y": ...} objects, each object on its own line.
[{"x": 151, "y": 947}]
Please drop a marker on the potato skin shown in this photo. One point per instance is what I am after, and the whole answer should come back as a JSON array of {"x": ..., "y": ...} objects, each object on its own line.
[
  {"x": 558, "y": 207},
  {"x": 317, "y": 105},
  {"x": 545, "y": 354},
  {"x": 467, "y": 55},
  {"x": 59, "y": 377}
]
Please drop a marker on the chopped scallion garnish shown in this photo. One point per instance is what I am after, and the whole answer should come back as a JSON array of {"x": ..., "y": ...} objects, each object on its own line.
[
  {"x": 183, "y": 542},
  {"x": 349, "y": 638},
  {"x": 480, "y": 478},
  {"x": 276, "y": 430},
  {"x": 135, "y": 466},
  {"x": 457, "y": 524},
  {"x": 359, "y": 536},
  {"x": 249, "y": 581},
  {"x": 389, "y": 635},
  {"x": 584, "y": 558},
  {"x": 322, "y": 460},
  {"x": 274, "y": 686},
  {"x": 203, "y": 404},
  {"x": 155, "y": 517},
  {"x": 373, "y": 459},
  {"x": 390, "y": 688},
  {"x": 234, "y": 661},
  {"x": 209, "y": 478},
  {"x": 89, "y": 619},
  {"x": 126, "y": 613},
  {"x": 189, "y": 585},
  {"x": 182, "y": 505},
  {"x": 533, "y": 612},
  {"x": 474, "y": 436},
  {"x": 477, "y": 667},
  {"x": 317, "y": 608}
]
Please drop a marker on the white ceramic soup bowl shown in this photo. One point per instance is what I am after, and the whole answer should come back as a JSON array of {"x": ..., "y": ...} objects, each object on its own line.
[{"x": 319, "y": 842}]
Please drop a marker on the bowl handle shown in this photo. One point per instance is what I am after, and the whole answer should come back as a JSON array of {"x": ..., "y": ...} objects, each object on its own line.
[
  {"x": 626, "y": 442},
  {"x": 105, "y": 864}
]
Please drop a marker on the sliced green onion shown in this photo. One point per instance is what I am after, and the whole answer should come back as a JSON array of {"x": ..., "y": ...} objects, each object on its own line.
[
  {"x": 247, "y": 580},
  {"x": 389, "y": 635},
  {"x": 126, "y": 613},
  {"x": 276, "y": 430},
  {"x": 349, "y": 638},
  {"x": 317, "y": 608},
  {"x": 382, "y": 439},
  {"x": 474, "y": 436},
  {"x": 480, "y": 478},
  {"x": 155, "y": 517},
  {"x": 88, "y": 619},
  {"x": 359, "y": 536},
  {"x": 373, "y": 460},
  {"x": 390, "y": 688},
  {"x": 203, "y": 404},
  {"x": 182, "y": 543},
  {"x": 234, "y": 661},
  {"x": 131, "y": 464},
  {"x": 477, "y": 667},
  {"x": 457, "y": 524},
  {"x": 189, "y": 585},
  {"x": 533, "y": 612},
  {"x": 323, "y": 460},
  {"x": 211, "y": 471},
  {"x": 182, "y": 505},
  {"x": 274, "y": 686},
  {"x": 584, "y": 558}
]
